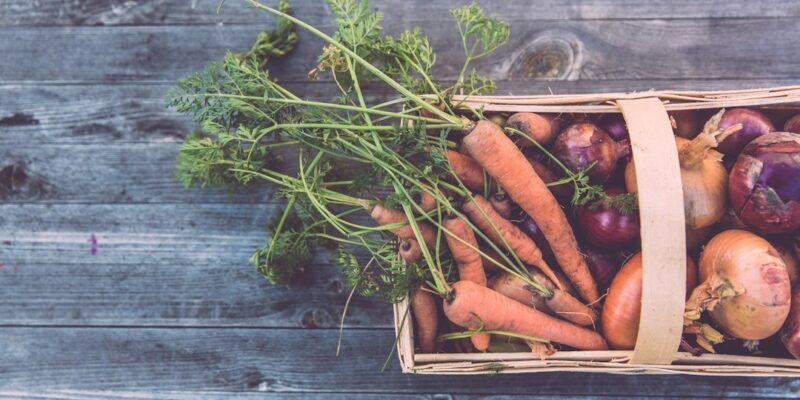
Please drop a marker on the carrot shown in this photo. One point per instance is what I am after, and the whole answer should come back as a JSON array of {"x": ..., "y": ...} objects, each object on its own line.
[
  {"x": 543, "y": 129},
  {"x": 492, "y": 149},
  {"x": 409, "y": 250},
  {"x": 385, "y": 216},
  {"x": 467, "y": 170},
  {"x": 561, "y": 303},
  {"x": 479, "y": 209},
  {"x": 469, "y": 263},
  {"x": 488, "y": 265},
  {"x": 426, "y": 317},
  {"x": 425, "y": 201},
  {"x": 502, "y": 204},
  {"x": 472, "y": 306}
]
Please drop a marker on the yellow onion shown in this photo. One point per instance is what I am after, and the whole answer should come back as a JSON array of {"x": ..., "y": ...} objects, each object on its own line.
[
  {"x": 745, "y": 288},
  {"x": 623, "y": 305},
  {"x": 704, "y": 179}
]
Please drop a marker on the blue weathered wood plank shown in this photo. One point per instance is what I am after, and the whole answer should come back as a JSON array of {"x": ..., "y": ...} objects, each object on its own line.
[
  {"x": 171, "y": 12},
  {"x": 568, "y": 49}
]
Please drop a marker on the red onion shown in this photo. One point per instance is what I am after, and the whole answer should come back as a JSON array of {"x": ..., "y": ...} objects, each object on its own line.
[
  {"x": 754, "y": 124},
  {"x": 793, "y": 124},
  {"x": 614, "y": 124},
  {"x": 790, "y": 333},
  {"x": 765, "y": 183},
  {"x": 603, "y": 265},
  {"x": 584, "y": 144},
  {"x": 687, "y": 123},
  {"x": 605, "y": 227}
]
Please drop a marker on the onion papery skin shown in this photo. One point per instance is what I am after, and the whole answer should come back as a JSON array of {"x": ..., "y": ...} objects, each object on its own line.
[
  {"x": 765, "y": 183},
  {"x": 705, "y": 186},
  {"x": 756, "y": 279},
  {"x": 622, "y": 308},
  {"x": 754, "y": 124},
  {"x": 582, "y": 144}
]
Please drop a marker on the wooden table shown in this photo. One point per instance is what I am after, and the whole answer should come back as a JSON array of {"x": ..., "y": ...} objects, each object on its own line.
[{"x": 118, "y": 283}]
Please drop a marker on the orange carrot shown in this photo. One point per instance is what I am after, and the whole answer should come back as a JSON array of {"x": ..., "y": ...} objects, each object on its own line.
[
  {"x": 426, "y": 318},
  {"x": 469, "y": 263},
  {"x": 385, "y": 216},
  {"x": 488, "y": 265},
  {"x": 467, "y": 170},
  {"x": 409, "y": 250},
  {"x": 472, "y": 306},
  {"x": 560, "y": 303},
  {"x": 525, "y": 248},
  {"x": 541, "y": 128},
  {"x": 502, "y": 204},
  {"x": 492, "y": 149}
]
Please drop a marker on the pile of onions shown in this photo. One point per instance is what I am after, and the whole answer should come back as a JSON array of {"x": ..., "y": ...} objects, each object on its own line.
[
  {"x": 584, "y": 144},
  {"x": 606, "y": 227},
  {"x": 703, "y": 177},
  {"x": 765, "y": 183},
  {"x": 754, "y": 124},
  {"x": 621, "y": 312},
  {"x": 745, "y": 287}
]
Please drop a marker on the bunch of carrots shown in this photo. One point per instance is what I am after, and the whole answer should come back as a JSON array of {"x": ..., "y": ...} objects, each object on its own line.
[{"x": 472, "y": 213}]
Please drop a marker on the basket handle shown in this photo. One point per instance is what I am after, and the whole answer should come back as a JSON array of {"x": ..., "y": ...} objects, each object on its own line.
[{"x": 663, "y": 233}]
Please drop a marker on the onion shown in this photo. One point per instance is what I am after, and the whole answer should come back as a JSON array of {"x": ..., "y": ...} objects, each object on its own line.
[
  {"x": 703, "y": 177},
  {"x": 541, "y": 128},
  {"x": 765, "y": 183},
  {"x": 608, "y": 228},
  {"x": 603, "y": 265},
  {"x": 621, "y": 311},
  {"x": 686, "y": 123},
  {"x": 615, "y": 126},
  {"x": 754, "y": 124},
  {"x": 790, "y": 334},
  {"x": 745, "y": 288},
  {"x": 585, "y": 144},
  {"x": 789, "y": 259},
  {"x": 797, "y": 244},
  {"x": 793, "y": 124}
]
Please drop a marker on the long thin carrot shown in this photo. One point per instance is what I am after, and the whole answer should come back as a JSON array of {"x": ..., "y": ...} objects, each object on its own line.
[
  {"x": 469, "y": 263},
  {"x": 560, "y": 303},
  {"x": 426, "y": 318},
  {"x": 467, "y": 170},
  {"x": 386, "y": 216},
  {"x": 501, "y": 230},
  {"x": 492, "y": 149},
  {"x": 473, "y": 306}
]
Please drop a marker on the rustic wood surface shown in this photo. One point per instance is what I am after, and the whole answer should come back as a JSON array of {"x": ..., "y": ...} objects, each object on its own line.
[{"x": 166, "y": 306}]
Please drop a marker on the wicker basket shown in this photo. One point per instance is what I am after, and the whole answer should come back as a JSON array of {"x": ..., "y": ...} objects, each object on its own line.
[{"x": 663, "y": 245}]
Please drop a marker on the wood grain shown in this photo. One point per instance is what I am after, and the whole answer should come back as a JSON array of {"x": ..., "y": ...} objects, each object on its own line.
[
  {"x": 292, "y": 361},
  {"x": 104, "y": 173},
  {"x": 180, "y": 12},
  {"x": 170, "y": 264},
  {"x": 561, "y": 50}
]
